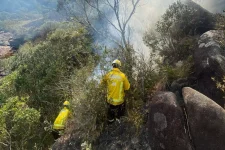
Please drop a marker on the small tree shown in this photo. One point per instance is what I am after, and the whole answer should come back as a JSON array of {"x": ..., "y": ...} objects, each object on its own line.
[{"x": 176, "y": 33}]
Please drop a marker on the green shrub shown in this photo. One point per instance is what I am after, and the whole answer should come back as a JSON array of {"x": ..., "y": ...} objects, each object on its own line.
[
  {"x": 220, "y": 85},
  {"x": 18, "y": 124},
  {"x": 7, "y": 86},
  {"x": 37, "y": 71},
  {"x": 44, "y": 64},
  {"x": 220, "y": 22},
  {"x": 179, "y": 71},
  {"x": 88, "y": 103}
]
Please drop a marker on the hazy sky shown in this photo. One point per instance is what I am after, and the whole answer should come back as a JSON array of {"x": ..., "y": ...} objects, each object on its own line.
[{"x": 215, "y": 6}]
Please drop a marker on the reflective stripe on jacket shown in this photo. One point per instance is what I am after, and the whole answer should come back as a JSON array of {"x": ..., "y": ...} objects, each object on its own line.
[
  {"x": 61, "y": 119},
  {"x": 117, "y": 82}
]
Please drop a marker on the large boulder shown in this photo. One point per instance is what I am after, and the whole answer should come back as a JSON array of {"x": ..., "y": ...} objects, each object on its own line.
[
  {"x": 209, "y": 60},
  {"x": 166, "y": 123},
  {"x": 206, "y": 120}
]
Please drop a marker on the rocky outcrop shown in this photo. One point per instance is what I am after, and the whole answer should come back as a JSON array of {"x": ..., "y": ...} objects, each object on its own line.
[
  {"x": 209, "y": 60},
  {"x": 166, "y": 124},
  {"x": 206, "y": 120},
  {"x": 5, "y": 37},
  {"x": 5, "y": 48}
]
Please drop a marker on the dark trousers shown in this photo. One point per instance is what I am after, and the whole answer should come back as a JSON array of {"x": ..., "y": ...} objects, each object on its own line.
[
  {"x": 56, "y": 134},
  {"x": 115, "y": 112}
]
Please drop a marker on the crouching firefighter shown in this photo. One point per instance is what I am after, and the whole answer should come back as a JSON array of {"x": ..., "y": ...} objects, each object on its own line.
[
  {"x": 61, "y": 119},
  {"x": 116, "y": 82}
]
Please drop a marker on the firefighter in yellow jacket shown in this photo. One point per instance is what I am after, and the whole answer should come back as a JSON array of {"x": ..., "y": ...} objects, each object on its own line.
[
  {"x": 116, "y": 82},
  {"x": 60, "y": 121}
]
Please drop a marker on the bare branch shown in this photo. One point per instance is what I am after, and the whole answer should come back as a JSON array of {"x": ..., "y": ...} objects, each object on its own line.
[
  {"x": 87, "y": 18},
  {"x": 4, "y": 144},
  {"x": 114, "y": 5},
  {"x": 132, "y": 12},
  {"x": 100, "y": 12},
  {"x": 116, "y": 9},
  {"x": 111, "y": 6}
]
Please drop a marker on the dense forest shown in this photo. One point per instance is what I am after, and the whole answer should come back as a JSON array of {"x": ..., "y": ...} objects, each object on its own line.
[{"x": 57, "y": 50}]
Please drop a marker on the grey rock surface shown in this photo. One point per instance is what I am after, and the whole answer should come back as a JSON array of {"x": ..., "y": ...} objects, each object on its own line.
[
  {"x": 166, "y": 123},
  {"x": 206, "y": 120},
  {"x": 209, "y": 62}
]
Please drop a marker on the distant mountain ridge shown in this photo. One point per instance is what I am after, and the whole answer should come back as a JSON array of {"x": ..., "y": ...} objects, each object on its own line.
[{"x": 12, "y": 6}]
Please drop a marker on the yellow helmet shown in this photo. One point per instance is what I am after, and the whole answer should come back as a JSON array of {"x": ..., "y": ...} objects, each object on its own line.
[
  {"x": 116, "y": 61},
  {"x": 66, "y": 103}
]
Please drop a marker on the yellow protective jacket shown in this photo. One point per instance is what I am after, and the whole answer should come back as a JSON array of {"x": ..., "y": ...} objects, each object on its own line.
[
  {"x": 116, "y": 82},
  {"x": 61, "y": 119}
]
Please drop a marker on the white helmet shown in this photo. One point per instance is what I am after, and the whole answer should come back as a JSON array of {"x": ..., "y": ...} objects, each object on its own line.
[{"x": 116, "y": 61}]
